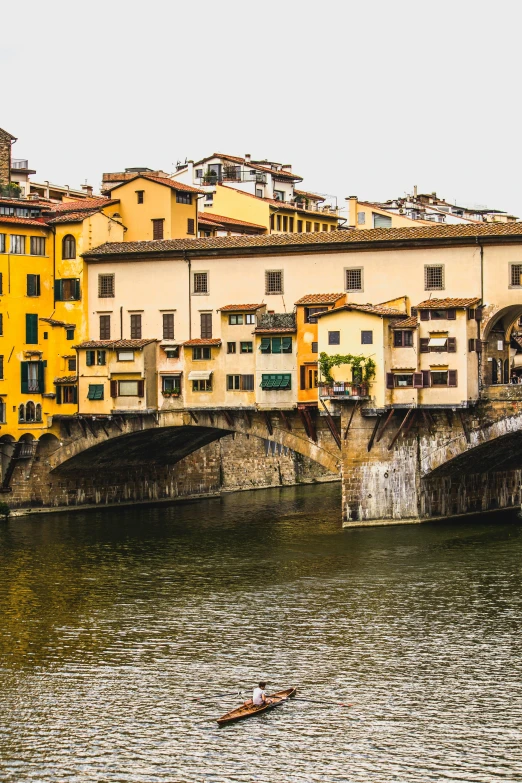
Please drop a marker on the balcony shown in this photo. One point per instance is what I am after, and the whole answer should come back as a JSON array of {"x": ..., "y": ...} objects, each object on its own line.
[
  {"x": 231, "y": 175},
  {"x": 312, "y": 206},
  {"x": 19, "y": 163},
  {"x": 344, "y": 389}
]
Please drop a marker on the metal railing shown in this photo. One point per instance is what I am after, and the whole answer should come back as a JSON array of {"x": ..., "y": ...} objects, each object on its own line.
[
  {"x": 343, "y": 389},
  {"x": 231, "y": 176},
  {"x": 19, "y": 163}
]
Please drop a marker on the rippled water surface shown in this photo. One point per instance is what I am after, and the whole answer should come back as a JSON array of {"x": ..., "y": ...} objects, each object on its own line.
[{"x": 113, "y": 622}]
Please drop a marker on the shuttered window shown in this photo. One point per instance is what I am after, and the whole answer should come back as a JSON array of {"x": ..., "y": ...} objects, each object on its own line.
[
  {"x": 1, "y": 367},
  {"x": 206, "y": 325},
  {"x": 67, "y": 289},
  {"x": 315, "y": 347},
  {"x": 1, "y": 283},
  {"x": 31, "y": 329},
  {"x": 157, "y": 229},
  {"x": 191, "y": 226},
  {"x": 168, "y": 326},
  {"x": 105, "y": 327},
  {"x": 135, "y": 326},
  {"x": 131, "y": 388},
  {"x": 280, "y": 382},
  {"x": 66, "y": 394},
  {"x": 95, "y": 391},
  {"x": 32, "y": 377},
  {"x": 68, "y": 247},
  {"x": 1, "y": 323},
  {"x": 381, "y": 221},
  {"x": 33, "y": 285}
]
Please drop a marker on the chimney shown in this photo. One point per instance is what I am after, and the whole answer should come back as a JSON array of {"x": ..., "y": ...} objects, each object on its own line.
[
  {"x": 190, "y": 171},
  {"x": 415, "y": 191},
  {"x": 87, "y": 189},
  {"x": 352, "y": 210},
  {"x": 247, "y": 158}
]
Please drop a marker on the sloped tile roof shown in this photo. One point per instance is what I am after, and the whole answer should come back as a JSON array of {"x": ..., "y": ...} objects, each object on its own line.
[
  {"x": 114, "y": 344},
  {"x": 305, "y": 194},
  {"x": 54, "y": 322},
  {"x": 253, "y": 164},
  {"x": 437, "y": 304},
  {"x": 364, "y": 308},
  {"x": 66, "y": 379},
  {"x": 241, "y": 307},
  {"x": 405, "y": 323},
  {"x": 21, "y": 221},
  {"x": 213, "y": 219},
  {"x": 275, "y": 330},
  {"x": 202, "y": 341},
  {"x": 82, "y": 203},
  {"x": 170, "y": 183},
  {"x": 319, "y": 299},
  {"x": 71, "y": 217}
]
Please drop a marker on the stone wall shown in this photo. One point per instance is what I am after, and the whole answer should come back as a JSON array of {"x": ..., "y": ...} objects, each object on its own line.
[
  {"x": 235, "y": 462},
  {"x": 5, "y": 157}
]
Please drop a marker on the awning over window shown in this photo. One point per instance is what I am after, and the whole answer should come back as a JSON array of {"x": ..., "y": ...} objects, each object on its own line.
[
  {"x": 200, "y": 375},
  {"x": 437, "y": 342},
  {"x": 171, "y": 372}
]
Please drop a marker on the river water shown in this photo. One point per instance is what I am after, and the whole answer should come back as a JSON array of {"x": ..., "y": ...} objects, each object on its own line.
[{"x": 112, "y": 622}]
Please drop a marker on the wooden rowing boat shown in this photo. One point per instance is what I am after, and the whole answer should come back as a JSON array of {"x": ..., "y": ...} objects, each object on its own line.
[{"x": 245, "y": 711}]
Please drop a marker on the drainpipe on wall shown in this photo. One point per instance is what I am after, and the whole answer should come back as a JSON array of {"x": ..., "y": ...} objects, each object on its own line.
[
  {"x": 480, "y": 362},
  {"x": 121, "y": 322},
  {"x": 187, "y": 259}
]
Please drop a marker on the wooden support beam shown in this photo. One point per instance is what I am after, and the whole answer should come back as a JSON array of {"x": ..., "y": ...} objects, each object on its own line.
[
  {"x": 449, "y": 417},
  {"x": 401, "y": 426},
  {"x": 332, "y": 426},
  {"x": 410, "y": 423},
  {"x": 388, "y": 419},
  {"x": 355, "y": 407},
  {"x": 193, "y": 417},
  {"x": 210, "y": 416},
  {"x": 91, "y": 427},
  {"x": 374, "y": 432},
  {"x": 248, "y": 418},
  {"x": 67, "y": 426},
  {"x": 229, "y": 418},
  {"x": 427, "y": 421},
  {"x": 463, "y": 423},
  {"x": 286, "y": 421},
  {"x": 83, "y": 427},
  {"x": 268, "y": 422},
  {"x": 104, "y": 428},
  {"x": 116, "y": 424}
]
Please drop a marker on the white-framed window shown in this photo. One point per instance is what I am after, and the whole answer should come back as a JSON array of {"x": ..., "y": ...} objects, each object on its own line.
[{"x": 353, "y": 278}]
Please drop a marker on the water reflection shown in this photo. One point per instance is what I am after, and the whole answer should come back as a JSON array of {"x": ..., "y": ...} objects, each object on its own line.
[{"x": 113, "y": 621}]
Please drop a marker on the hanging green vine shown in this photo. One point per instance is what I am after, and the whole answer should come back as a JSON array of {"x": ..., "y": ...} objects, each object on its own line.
[{"x": 362, "y": 366}]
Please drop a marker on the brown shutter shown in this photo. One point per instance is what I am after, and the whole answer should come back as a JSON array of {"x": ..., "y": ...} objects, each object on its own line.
[
  {"x": 417, "y": 380},
  {"x": 471, "y": 314},
  {"x": 452, "y": 378},
  {"x": 190, "y": 226},
  {"x": 452, "y": 345},
  {"x": 452, "y": 314},
  {"x": 478, "y": 346},
  {"x": 114, "y": 388},
  {"x": 389, "y": 380},
  {"x": 206, "y": 325},
  {"x": 478, "y": 314},
  {"x": 414, "y": 311},
  {"x": 425, "y": 315},
  {"x": 426, "y": 380},
  {"x": 424, "y": 347},
  {"x": 141, "y": 388},
  {"x": 302, "y": 379},
  {"x": 471, "y": 345},
  {"x": 157, "y": 229}
]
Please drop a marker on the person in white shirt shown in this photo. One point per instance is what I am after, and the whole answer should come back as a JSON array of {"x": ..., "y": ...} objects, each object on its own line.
[{"x": 259, "y": 696}]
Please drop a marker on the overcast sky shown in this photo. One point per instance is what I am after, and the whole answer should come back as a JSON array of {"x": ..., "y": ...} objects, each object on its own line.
[{"x": 362, "y": 98}]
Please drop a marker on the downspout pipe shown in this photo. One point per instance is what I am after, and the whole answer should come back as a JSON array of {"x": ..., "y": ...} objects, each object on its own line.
[{"x": 480, "y": 362}]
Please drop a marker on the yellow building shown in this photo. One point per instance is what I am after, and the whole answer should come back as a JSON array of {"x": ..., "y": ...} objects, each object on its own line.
[{"x": 363, "y": 215}]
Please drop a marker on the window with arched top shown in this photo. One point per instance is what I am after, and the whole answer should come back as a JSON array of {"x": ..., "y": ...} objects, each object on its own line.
[
  {"x": 30, "y": 412},
  {"x": 21, "y": 412},
  {"x": 69, "y": 246},
  {"x": 38, "y": 412}
]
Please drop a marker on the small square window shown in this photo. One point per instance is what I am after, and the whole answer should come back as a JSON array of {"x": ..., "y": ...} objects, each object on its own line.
[
  {"x": 71, "y": 365},
  {"x": 106, "y": 286},
  {"x": 366, "y": 338},
  {"x": 172, "y": 353},
  {"x": 69, "y": 334},
  {"x": 95, "y": 391},
  {"x": 200, "y": 283},
  {"x": 247, "y": 347},
  {"x": 516, "y": 275},
  {"x": 274, "y": 281},
  {"x": 250, "y": 318},
  {"x": 434, "y": 278},
  {"x": 235, "y": 319},
  {"x": 334, "y": 338},
  {"x": 231, "y": 347},
  {"x": 354, "y": 279}
]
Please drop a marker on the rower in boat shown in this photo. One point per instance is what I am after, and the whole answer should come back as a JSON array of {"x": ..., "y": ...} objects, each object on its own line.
[{"x": 259, "y": 697}]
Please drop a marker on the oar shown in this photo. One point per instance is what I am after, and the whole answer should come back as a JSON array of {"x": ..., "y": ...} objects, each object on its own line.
[
  {"x": 321, "y": 701},
  {"x": 217, "y": 696}
]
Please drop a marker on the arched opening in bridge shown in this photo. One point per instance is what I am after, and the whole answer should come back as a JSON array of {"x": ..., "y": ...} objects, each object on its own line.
[{"x": 502, "y": 344}]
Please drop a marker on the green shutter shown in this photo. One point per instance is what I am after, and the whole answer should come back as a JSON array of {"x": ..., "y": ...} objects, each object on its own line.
[
  {"x": 287, "y": 345},
  {"x": 58, "y": 395},
  {"x": 286, "y": 381},
  {"x": 89, "y": 358},
  {"x": 95, "y": 391},
  {"x": 58, "y": 291},
  {"x": 41, "y": 378},
  {"x": 265, "y": 345},
  {"x": 101, "y": 357},
  {"x": 31, "y": 329},
  {"x": 25, "y": 377},
  {"x": 77, "y": 289},
  {"x": 276, "y": 345},
  {"x": 75, "y": 395}
]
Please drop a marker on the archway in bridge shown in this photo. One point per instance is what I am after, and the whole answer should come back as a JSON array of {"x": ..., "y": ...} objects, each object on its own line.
[{"x": 502, "y": 333}]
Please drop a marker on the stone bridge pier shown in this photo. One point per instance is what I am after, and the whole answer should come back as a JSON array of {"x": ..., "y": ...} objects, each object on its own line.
[{"x": 413, "y": 465}]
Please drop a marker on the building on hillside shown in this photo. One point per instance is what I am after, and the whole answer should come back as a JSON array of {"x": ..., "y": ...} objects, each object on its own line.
[
  {"x": 418, "y": 208},
  {"x": 258, "y": 191}
]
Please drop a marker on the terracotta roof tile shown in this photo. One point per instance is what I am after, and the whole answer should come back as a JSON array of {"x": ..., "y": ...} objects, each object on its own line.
[
  {"x": 319, "y": 299},
  {"x": 313, "y": 196},
  {"x": 406, "y": 323},
  {"x": 253, "y": 164},
  {"x": 170, "y": 183},
  {"x": 82, "y": 203},
  {"x": 242, "y": 307},
  {"x": 212, "y": 218},
  {"x": 66, "y": 379},
  {"x": 381, "y": 237},
  {"x": 436, "y": 304},
  {"x": 54, "y": 322},
  {"x": 201, "y": 341},
  {"x": 364, "y": 308},
  {"x": 22, "y": 221},
  {"x": 114, "y": 344},
  {"x": 275, "y": 330},
  {"x": 71, "y": 217}
]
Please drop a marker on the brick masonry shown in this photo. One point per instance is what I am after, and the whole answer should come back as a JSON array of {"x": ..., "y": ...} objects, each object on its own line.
[{"x": 5, "y": 157}]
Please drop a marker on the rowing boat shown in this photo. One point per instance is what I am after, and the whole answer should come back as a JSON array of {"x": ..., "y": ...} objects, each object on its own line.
[{"x": 246, "y": 710}]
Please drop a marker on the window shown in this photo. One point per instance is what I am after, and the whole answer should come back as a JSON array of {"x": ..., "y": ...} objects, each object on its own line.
[
  {"x": 199, "y": 173},
  {"x": 276, "y": 382},
  {"x": 299, "y": 226},
  {"x": 191, "y": 226},
  {"x": 247, "y": 383},
  {"x": 68, "y": 247},
  {"x": 205, "y": 325},
  {"x": 325, "y": 226},
  {"x": 37, "y": 246},
  {"x": 157, "y": 228},
  {"x": 231, "y": 347},
  {"x": 32, "y": 376},
  {"x": 95, "y": 391},
  {"x": 130, "y": 388},
  {"x": 171, "y": 384},
  {"x": 2, "y": 412},
  {"x": 274, "y": 281},
  {"x": 69, "y": 334},
  {"x": 402, "y": 339},
  {"x": 361, "y": 218},
  {"x": 1, "y": 323},
  {"x": 334, "y": 338},
  {"x": 381, "y": 221},
  {"x": 366, "y": 338},
  {"x": 135, "y": 326},
  {"x": 333, "y": 227},
  {"x": 315, "y": 347},
  {"x": 125, "y": 356},
  {"x": 201, "y": 352},
  {"x": 285, "y": 222},
  {"x": 202, "y": 386},
  {"x": 101, "y": 358},
  {"x": 106, "y": 286},
  {"x": 94, "y": 357},
  {"x": 308, "y": 226},
  {"x": 276, "y": 345},
  {"x": 200, "y": 285},
  {"x": 2, "y": 243},
  {"x": 172, "y": 353},
  {"x": 31, "y": 328},
  {"x": 354, "y": 279},
  {"x": 140, "y": 194},
  {"x": 1, "y": 284},
  {"x": 236, "y": 319},
  {"x": 1, "y": 367},
  {"x": 67, "y": 289},
  {"x": 247, "y": 347},
  {"x": 240, "y": 383},
  {"x": 439, "y": 378},
  {"x": 71, "y": 365},
  {"x": 434, "y": 278},
  {"x": 311, "y": 314},
  {"x": 105, "y": 327},
  {"x": 183, "y": 198},
  {"x": 33, "y": 285},
  {"x": 259, "y": 192},
  {"x": 317, "y": 226},
  {"x": 279, "y": 195},
  {"x": 516, "y": 275},
  {"x": 66, "y": 395},
  {"x": 89, "y": 358},
  {"x": 250, "y": 318},
  {"x": 403, "y": 380},
  {"x": 17, "y": 244},
  {"x": 168, "y": 326},
  {"x": 278, "y": 221}
]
